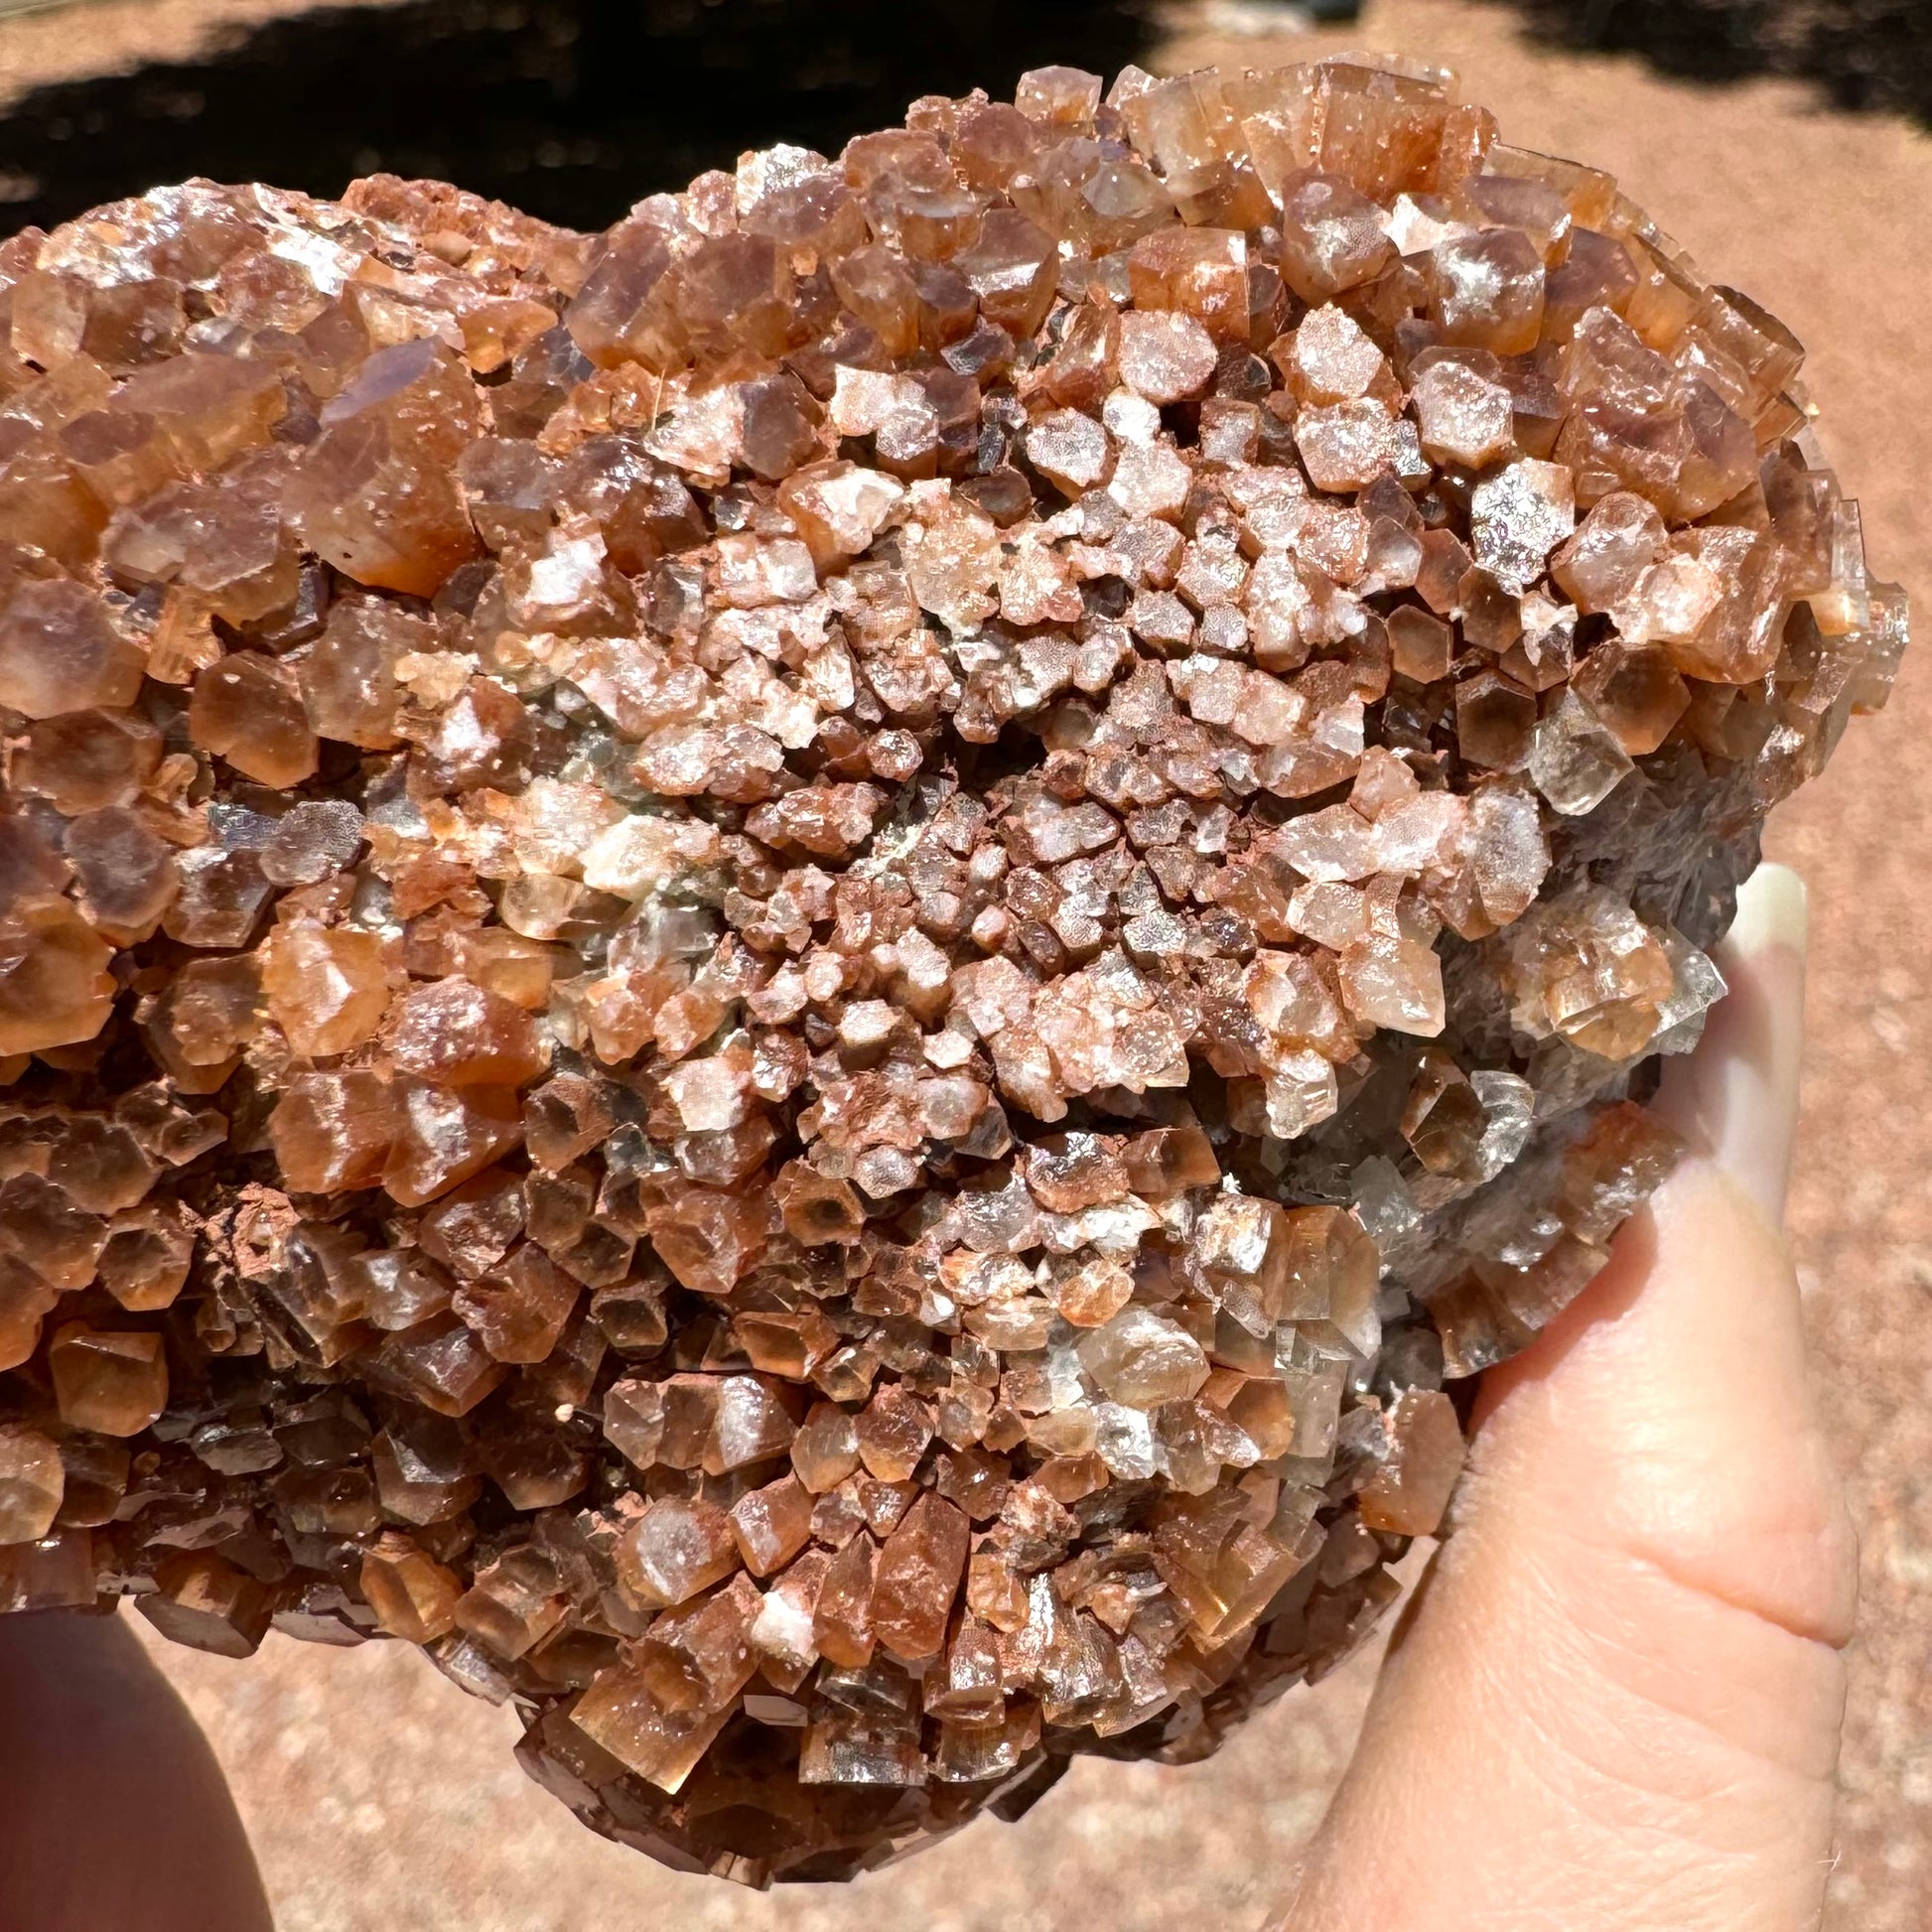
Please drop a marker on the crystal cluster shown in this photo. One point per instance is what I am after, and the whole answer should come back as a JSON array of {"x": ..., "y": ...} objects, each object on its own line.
[{"x": 796, "y": 975}]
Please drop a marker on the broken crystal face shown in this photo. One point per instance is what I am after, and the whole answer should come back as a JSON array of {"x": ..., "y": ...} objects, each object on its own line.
[{"x": 796, "y": 975}]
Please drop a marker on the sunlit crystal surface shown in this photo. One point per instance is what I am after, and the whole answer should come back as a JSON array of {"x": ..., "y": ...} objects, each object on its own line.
[{"x": 807, "y": 978}]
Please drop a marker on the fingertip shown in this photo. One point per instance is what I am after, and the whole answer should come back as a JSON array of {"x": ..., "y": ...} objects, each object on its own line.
[
  {"x": 1773, "y": 909},
  {"x": 1735, "y": 1099}
]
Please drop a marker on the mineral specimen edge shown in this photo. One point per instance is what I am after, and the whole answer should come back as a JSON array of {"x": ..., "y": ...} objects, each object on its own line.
[{"x": 795, "y": 976}]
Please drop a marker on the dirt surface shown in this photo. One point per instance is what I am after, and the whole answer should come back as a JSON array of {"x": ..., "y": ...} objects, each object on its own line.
[
  {"x": 377, "y": 1795},
  {"x": 44, "y": 44},
  {"x": 1862, "y": 52}
]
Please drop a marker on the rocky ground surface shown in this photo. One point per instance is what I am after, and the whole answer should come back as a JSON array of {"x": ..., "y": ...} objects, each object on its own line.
[{"x": 373, "y": 1788}]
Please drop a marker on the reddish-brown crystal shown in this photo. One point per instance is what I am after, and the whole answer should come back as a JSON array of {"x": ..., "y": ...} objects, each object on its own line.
[{"x": 794, "y": 976}]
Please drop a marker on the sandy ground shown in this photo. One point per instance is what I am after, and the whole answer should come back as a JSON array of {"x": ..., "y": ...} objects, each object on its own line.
[
  {"x": 43, "y": 41},
  {"x": 378, "y": 1796}
]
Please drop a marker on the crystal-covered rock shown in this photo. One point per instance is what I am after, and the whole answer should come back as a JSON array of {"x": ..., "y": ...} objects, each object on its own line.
[{"x": 794, "y": 976}]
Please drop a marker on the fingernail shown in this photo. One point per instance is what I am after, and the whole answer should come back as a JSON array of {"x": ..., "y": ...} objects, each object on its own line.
[
  {"x": 1737, "y": 1097},
  {"x": 1773, "y": 909}
]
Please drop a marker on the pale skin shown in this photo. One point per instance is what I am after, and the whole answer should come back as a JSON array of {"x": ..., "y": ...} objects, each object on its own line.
[{"x": 1613, "y": 1706}]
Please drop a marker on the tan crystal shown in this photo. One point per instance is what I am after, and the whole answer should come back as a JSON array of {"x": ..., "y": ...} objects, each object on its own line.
[
  {"x": 326, "y": 989},
  {"x": 659, "y": 1712},
  {"x": 54, "y": 988},
  {"x": 374, "y": 494},
  {"x": 513, "y": 1604},
  {"x": 33, "y": 1482},
  {"x": 460, "y": 1034},
  {"x": 412, "y": 1595},
  {"x": 247, "y": 710},
  {"x": 61, "y": 652},
  {"x": 1411, "y": 1489},
  {"x": 825, "y": 1451},
  {"x": 771, "y": 1525},
  {"x": 892, "y": 1432},
  {"x": 1488, "y": 290},
  {"x": 113, "y": 1383},
  {"x": 85, "y": 760},
  {"x": 146, "y": 1261},
  {"x": 1465, "y": 412},
  {"x": 675, "y": 1550},
  {"x": 842, "y": 1618},
  {"x": 1332, "y": 238},
  {"x": 1143, "y": 1359},
  {"x": 518, "y": 1310},
  {"x": 1394, "y": 982},
  {"x": 1637, "y": 692},
  {"x": 1201, "y": 272},
  {"x": 1166, "y": 356}
]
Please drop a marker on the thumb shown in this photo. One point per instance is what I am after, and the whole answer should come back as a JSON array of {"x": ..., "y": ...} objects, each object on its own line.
[{"x": 1615, "y": 1703}]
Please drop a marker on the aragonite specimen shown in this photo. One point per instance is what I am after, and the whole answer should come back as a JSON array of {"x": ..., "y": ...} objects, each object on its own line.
[{"x": 797, "y": 976}]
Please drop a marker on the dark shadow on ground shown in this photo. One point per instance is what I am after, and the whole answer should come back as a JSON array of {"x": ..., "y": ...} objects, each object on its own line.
[
  {"x": 1860, "y": 53},
  {"x": 570, "y": 108}
]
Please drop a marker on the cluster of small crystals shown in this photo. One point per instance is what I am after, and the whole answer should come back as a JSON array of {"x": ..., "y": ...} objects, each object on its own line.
[{"x": 794, "y": 976}]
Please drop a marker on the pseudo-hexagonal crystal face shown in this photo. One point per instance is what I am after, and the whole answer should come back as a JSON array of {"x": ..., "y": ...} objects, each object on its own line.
[{"x": 794, "y": 976}]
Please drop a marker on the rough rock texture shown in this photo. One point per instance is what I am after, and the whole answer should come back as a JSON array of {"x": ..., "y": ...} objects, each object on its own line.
[{"x": 796, "y": 975}]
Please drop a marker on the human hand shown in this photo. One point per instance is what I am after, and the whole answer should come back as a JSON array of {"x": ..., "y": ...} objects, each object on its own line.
[
  {"x": 1615, "y": 1705},
  {"x": 117, "y": 1816}
]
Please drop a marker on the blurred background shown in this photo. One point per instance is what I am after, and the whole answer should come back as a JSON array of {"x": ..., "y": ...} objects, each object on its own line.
[
  {"x": 574, "y": 108},
  {"x": 1786, "y": 143}
]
